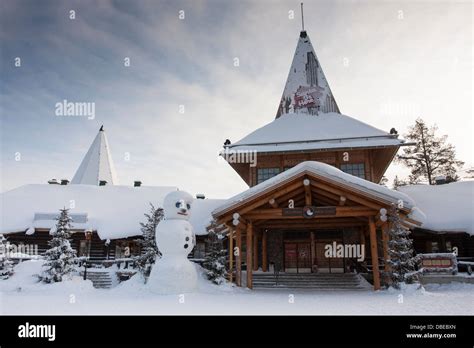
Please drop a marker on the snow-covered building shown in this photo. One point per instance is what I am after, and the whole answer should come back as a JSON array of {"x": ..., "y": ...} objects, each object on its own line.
[
  {"x": 448, "y": 217},
  {"x": 97, "y": 204},
  {"x": 313, "y": 176}
]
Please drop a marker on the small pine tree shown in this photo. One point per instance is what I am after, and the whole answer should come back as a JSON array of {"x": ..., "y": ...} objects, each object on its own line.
[
  {"x": 149, "y": 249},
  {"x": 6, "y": 265},
  {"x": 60, "y": 258},
  {"x": 431, "y": 156},
  {"x": 215, "y": 260},
  {"x": 402, "y": 262}
]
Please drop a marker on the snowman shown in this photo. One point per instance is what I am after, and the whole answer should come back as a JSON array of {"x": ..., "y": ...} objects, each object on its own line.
[{"x": 173, "y": 273}]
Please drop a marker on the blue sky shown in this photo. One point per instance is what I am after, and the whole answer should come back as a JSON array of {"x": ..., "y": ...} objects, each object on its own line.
[{"x": 387, "y": 63}]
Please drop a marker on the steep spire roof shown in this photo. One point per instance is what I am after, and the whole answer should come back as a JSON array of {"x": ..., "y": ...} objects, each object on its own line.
[
  {"x": 97, "y": 164},
  {"x": 306, "y": 90}
]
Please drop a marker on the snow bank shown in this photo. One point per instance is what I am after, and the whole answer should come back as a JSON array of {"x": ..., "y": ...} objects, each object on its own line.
[
  {"x": 299, "y": 131},
  {"x": 327, "y": 171},
  {"x": 448, "y": 207},
  {"x": 25, "y": 280},
  {"x": 114, "y": 211}
]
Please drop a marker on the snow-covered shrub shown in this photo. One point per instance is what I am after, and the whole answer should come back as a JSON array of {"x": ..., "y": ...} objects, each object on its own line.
[
  {"x": 403, "y": 264},
  {"x": 149, "y": 249},
  {"x": 60, "y": 259},
  {"x": 6, "y": 265},
  {"x": 215, "y": 260}
]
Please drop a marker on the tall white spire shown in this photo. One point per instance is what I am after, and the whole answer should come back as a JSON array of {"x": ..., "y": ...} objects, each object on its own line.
[
  {"x": 306, "y": 90},
  {"x": 97, "y": 164}
]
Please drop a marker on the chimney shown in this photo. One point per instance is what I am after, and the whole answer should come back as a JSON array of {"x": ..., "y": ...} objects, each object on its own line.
[
  {"x": 137, "y": 183},
  {"x": 102, "y": 182},
  {"x": 53, "y": 182},
  {"x": 64, "y": 181},
  {"x": 440, "y": 180},
  {"x": 200, "y": 196}
]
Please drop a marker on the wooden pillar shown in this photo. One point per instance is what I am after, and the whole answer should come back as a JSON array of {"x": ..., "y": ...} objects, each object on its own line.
[
  {"x": 264, "y": 251},
  {"x": 231, "y": 255},
  {"x": 238, "y": 265},
  {"x": 374, "y": 253},
  {"x": 255, "y": 251},
  {"x": 313, "y": 250},
  {"x": 385, "y": 238},
  {"x": 249, "y": 255}
]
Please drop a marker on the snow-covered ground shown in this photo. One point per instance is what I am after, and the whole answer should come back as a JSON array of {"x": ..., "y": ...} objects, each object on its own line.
[{"x": 79, "y": 297}]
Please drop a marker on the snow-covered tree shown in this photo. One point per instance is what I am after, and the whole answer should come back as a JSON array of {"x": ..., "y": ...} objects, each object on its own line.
[
  {"x": 149, "y": 249},
  {"x": 6, "y": 265},
  {"x": 60, "y": 258},
  {"x": 215, "y": 260},
  {"x": 431, "y": 156},
  {"x": 403, "y": 264}
]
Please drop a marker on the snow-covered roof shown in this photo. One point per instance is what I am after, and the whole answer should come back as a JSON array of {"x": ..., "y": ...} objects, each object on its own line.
[
  {"x": 97, "y": 164},
  {"x": 448, "y": 207},
  {"x": 114, "y": 211},
  {"x": 296, "y": 132},
  {"x": 325, "y": 170},
  {"x": 306, "y": 89}
]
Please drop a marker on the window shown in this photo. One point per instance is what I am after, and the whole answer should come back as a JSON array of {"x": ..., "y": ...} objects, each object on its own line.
[
  {"x": 266, "y": 173},
  {"x": 84, "y": 248},
  {"x": 356, "y": 169}
]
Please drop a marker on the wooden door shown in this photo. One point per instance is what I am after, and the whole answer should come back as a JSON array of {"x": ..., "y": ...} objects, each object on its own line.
[{"x": 298, "y": 257}]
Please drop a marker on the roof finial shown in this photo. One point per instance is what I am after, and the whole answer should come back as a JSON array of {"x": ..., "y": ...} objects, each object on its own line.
[
  {"x": 302, "y": 18},
  {"x": 101, "y": 128}
]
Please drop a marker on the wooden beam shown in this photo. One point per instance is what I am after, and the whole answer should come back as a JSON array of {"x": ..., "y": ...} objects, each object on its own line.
[
  {"x": 269, "y": 214},
  {"x": 313, "y": 249},
  {"x": 374, "y": 253},
  {"x": 351, "y": 196},
  {"x": 264, "y": 251},
  {"x": 255, "y": 251},
  {"x": 273, "y": 203},
  {"x": 327, "y": 224},
  {"x": 283, "y": 200},
  {"x": 249, "y": 255},
  {"x": 238, "y": 265},
  {"x": 231, "y": 256},
  {"x": 307, "y": 192},
  {"x": 263, "y": 200}
]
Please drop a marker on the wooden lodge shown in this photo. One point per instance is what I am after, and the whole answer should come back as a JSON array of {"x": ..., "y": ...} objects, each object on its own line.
[
  {"x": 313, "y": 176},
  {"x": 289, "y": 223}
]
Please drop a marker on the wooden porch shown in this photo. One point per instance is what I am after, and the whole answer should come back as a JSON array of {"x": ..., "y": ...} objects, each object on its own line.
[{"x": 310, "y": 203}]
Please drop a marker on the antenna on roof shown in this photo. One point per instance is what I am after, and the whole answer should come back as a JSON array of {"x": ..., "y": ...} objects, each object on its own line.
[{"x": 302, "y": 18}]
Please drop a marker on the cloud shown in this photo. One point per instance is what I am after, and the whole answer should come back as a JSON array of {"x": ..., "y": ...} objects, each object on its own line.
[{"x": 190, "y": 62}]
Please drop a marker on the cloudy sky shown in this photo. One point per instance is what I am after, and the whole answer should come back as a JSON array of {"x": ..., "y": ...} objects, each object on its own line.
[{"x": 387, "y": 63}]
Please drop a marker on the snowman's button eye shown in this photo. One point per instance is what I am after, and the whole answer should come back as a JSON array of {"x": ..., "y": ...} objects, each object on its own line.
[
  {"x": 188, "y": 206},
  {"x": 185, "y": 246},
  {"x": 178, "y": 204}
]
